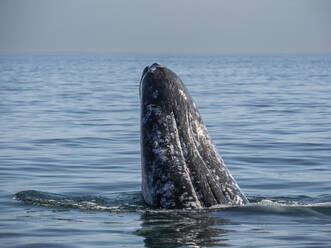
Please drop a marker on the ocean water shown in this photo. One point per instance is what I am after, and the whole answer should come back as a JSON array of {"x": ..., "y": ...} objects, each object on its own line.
[{"x": 70, "y": 151}]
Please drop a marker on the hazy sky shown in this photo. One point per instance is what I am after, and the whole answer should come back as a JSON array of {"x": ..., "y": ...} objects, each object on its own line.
[{"x": 167, "y": 26}]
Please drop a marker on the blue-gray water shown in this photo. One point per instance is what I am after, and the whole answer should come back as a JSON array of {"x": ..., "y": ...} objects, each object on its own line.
[{"x": 69, "y": 139}]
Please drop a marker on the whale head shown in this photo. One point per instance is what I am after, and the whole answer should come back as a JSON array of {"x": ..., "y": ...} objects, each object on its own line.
[{"x": 180, "y": 165}]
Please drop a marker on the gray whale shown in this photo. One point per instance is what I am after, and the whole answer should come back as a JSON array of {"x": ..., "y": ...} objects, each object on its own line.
[{"x": 180, "y": 165}]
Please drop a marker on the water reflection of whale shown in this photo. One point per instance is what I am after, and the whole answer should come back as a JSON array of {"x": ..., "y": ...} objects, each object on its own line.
[
  {"x": 180, "y": 165},
  {"x": 182, "y": 229}
]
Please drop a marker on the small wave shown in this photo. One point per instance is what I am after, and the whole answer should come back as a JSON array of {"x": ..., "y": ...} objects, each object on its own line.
[
  {"x": 115, "y": 203},
  {"x": 133, "y": 202},
  {"x": 282, "y": 206}
]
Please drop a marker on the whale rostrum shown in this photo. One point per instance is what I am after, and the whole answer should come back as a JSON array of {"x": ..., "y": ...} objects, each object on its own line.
[{"x": 180, "y": 165}]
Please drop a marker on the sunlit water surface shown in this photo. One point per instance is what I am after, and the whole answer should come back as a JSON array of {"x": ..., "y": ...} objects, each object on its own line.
[{"x": 69, "y": 148}]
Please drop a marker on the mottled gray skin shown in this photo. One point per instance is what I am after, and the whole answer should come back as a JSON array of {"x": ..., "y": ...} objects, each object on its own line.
[{"x": 180, "y": 165}]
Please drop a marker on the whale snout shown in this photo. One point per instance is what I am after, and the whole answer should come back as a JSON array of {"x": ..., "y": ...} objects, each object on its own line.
[
  {"x": 156, "y": 65},
  {"x": 151, "y": 77},
  {"x": 152, "y": 68}
]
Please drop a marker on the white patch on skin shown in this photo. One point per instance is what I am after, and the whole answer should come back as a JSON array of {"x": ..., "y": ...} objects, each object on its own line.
[
  {"x": 151, "y": 108},
  {"x": 183, "y": 197},
  {"x": 193, "y": 205},
  {"x": 238, "y": 200},
  {"x": 152, "y": 68},
  {"x": 200, "y": 130},
  {"x": 161, "y": 153},
  {"x": 230, "y": 190},
  {"x": 166, "y": 191},
  {"x": 167, "y": 188},
  {"x": 183, "y": 94},
  {"x": 171, "y": 149}
]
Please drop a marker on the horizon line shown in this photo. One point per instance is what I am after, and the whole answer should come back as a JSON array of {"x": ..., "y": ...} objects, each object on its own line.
[{"x": 154, "y": 53}]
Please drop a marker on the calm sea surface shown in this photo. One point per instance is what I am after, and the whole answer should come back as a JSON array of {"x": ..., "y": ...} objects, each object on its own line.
[{"x": 70, "y": 151}]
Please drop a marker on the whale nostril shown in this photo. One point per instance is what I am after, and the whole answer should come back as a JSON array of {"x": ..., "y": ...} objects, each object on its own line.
[{"x": 156, "y": 65}]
